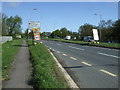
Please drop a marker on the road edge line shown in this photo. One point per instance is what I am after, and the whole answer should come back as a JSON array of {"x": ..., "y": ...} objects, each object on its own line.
[{"x": 69, "y": 80}]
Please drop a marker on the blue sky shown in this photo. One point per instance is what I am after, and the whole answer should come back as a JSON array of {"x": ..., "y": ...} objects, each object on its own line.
[{"x": 56, "y": 15}]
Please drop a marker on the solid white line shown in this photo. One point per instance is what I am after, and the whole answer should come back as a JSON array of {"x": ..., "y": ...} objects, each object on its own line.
[
  {"x": 76, "y": 48},
  {"x": 108, "y": 73},
  {"x": 69, "y": 80},
  {"x": 86, "y": 63},
  {"x": 73, "y": 58},
  {"x": 64, "y": 54},
  {"x": 108, "y": 55}
]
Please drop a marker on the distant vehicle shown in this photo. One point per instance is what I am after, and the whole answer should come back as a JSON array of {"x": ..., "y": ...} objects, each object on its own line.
[
  {"x": 68, "y": 37},
  {"x": 88, "y": 39}
]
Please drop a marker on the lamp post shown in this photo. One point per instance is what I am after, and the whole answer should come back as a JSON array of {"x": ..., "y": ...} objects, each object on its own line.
[
  {"x": 100, "y": 24},
  {"x": 61, "y": 34}
]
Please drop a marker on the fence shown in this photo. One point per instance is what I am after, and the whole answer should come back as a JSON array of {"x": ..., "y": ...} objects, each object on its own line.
[{"x": 4, "y": 39}]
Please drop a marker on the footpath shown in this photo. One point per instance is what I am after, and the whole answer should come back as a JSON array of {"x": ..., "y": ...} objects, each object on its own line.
[{"x": 21, "y": 71}]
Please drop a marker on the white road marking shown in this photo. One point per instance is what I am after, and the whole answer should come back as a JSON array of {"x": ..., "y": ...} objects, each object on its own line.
[
  {"x": 106, "y": 48},
  {"x": 58, "y": 44},
  {"x": 108, "y": 73},
  {"x": 76, "y": 48},
  {"x": 86, "y": 63},
  {"x": 64, "y": 54},
  {"x": 73, "y": 58},
  {"x": 108, "y": 55},
  {"x": 58, "y": 51}
]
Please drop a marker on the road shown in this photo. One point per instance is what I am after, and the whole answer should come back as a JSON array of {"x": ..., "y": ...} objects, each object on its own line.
[{"x": 90, "y": 67}]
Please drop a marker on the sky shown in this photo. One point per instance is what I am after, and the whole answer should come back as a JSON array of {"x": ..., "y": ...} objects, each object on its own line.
[{"x": 57, "y": 15}]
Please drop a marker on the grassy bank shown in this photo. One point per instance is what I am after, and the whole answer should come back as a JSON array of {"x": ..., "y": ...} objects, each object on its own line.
[
  {"x": 46, "y": 73},
  {"x": 9, "y": 50},
  {"x": 114, "y": 45}
]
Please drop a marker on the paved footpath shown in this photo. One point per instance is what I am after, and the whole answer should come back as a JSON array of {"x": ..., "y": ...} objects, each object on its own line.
[{"x": 20, "y": 74}]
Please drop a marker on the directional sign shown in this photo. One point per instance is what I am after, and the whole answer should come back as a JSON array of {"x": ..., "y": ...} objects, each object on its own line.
[
  {"x": 33, "y": 24},
  {"x": 95, "y": 34},
  {"x": 36, "y": 34}
]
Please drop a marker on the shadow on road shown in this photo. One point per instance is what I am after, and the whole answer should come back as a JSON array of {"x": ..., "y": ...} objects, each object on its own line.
[{"x": 90, "y": 66}]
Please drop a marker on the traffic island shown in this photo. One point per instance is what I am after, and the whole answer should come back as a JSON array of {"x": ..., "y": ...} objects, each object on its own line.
[{"x": 46, "y": 73}]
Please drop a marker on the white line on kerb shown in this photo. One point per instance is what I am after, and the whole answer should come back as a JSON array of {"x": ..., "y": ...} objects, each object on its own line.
[
  {"x": 108, "y": 55},
  {"x": 64, "y": 54},
  {"x": 73, "y": 58},
  {"x": 108, "y": 73},
  {"x": 76, "y": 48},
  {"x": 86, "y": 63}
]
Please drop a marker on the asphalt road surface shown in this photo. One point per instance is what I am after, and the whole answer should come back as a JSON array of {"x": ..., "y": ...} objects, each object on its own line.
[{"x": 90, "y": 67}]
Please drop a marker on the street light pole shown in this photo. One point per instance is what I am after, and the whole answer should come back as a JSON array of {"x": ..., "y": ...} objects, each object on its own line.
[
  {"x": 100, "y": 24},
  {"x": 61, "y": 35}
]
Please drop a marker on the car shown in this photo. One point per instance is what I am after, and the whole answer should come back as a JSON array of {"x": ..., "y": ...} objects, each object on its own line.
[{"x": 88, "y": 39}]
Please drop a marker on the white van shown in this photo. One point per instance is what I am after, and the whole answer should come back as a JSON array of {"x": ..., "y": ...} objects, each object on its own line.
[{"x": 68, "y": 37}]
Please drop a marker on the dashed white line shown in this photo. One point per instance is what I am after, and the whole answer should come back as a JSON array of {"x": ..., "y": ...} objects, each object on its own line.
[
  {"x": 86, "y": 63},
  {"x": 108, "y": 73},
  {"x": 64, "y": 54},
  {"x": 58, "y": 44},
  {"x": 76, "y": 48},
  {"x": 58, "y": 51},
  {"x": 73, "y": 58},
  {"x": 108, "y": 55}
]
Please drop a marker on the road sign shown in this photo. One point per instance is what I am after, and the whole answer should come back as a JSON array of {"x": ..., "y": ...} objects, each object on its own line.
[
  {"x": 36, "y": 34},
  {"x": 95, "y": 34},
  {"x": 33, "y": 24}
]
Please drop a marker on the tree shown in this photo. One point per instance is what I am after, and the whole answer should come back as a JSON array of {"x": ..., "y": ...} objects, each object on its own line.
[
  {"x": 64, "y": 32},
  {"x": 4, "y": 25},
  {"x": 116, "y": 31},
  {"x": 86, "y": 30},
  {"x": 14, "y": 25}
]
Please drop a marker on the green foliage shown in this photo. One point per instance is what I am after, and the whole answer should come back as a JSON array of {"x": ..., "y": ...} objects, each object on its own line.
[
  {"x": 86, "y": 30},
  {"x": 9, "y": 51},
  {"x": 11, "y": 26},
  {"x": 45, "y": 70}
]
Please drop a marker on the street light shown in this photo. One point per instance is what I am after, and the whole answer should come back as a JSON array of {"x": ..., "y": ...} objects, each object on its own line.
[
  {"x": 61, "y": 34},
  {"x": 100, "y": 23}
]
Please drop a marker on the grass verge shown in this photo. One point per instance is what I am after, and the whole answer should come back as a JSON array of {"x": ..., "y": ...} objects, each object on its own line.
[
  {"x": 114, "y": 45},
  {"x": 9, "y": 50},
  {"x": 46, "y": 73}
]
